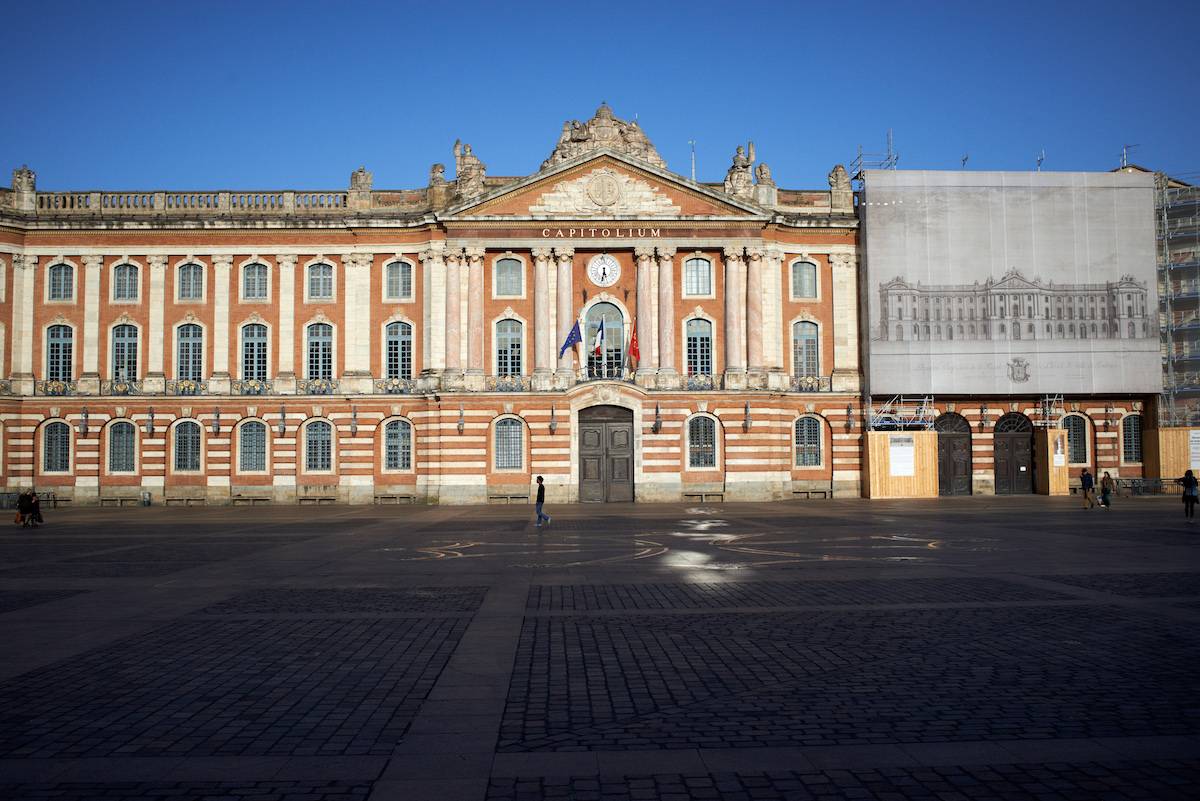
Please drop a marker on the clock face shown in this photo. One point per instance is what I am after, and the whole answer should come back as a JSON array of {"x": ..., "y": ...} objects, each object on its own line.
[{"x": 604, "y": 270}]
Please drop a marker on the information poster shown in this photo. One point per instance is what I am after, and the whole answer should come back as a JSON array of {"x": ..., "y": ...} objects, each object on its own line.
[
  {"x": 1194, "y": 449},
  {"x": 1060, "y": 454},
  {"x": 902, "y": 455}
]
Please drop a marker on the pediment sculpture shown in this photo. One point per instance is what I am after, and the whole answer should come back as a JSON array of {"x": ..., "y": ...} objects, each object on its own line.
[
  {"x": 603, "y": 131},
  {"x": 469, "y": 171}
]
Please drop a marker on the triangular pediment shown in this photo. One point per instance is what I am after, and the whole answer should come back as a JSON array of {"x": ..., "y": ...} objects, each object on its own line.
[{"x": 604, "y": 185}]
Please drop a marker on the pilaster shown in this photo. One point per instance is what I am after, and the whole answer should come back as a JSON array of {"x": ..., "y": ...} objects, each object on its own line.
[
  {"x": 773, "y": 334},
  {"x": 543, "y": 332},
  {"x": 646, "y": 369},
  {"x": 475, "y": 332},
  {"x": 285, "y": 376},
  {"x": 735, "y": 324},
  {"x": 566, "y": 315},
  {"x": 356, "y": 299},
  {"x": 89, "y": 379},
  {"x": 155, "y": 380},
  {"x": 24, "y": 270},
  {"x": 453, "y": 260},
  {"x": 846, "y": 376},
  {"x": 668, "y": 375},
  {"x": 754, "y": 318}
]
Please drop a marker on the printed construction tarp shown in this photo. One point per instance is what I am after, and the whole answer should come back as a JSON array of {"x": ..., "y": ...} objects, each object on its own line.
[{"x": 1010, "y": 283}]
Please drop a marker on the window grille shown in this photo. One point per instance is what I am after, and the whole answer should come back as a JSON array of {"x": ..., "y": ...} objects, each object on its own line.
[
  {"x": 122, "y": 448},
  {"x": 697, "y": 277},
  {"x": 187, "y": 445},
  {"x": 509, "y": 275},
  {"x": 509, "y": 451},
  {"x": 252, "y": 446},
  {"x": 806, "y": 360},
  {"x": 125, "y": 282},
  {"x": 398, "y": 445},
  {"x": 254, "y": 352},
  {"x": 1131, "y": 438},
  {"x": 699, "y": 347},
  {"x": 60, "y": 348},
  {"x": 1076, "y": 428},
  {"x": 125, "y": 353},
  {"x": 254, "y": 282},
  {"x": 399, "y": 351},
  {"x": 508, "y": 347},
  {"x": 56, "y": 448},
  {"x": 320, "y": 351},
  {"x": 702, "y": 442},
  {"x": 804, "y": 280},
  {"x": 320, "y": 282},
  {"x": 808, "y": 442},
  {"x": 190, "y": 341},
  {"x": 191, "y": 282},
  {"x": 62, "y": 283},
  {"x": 318, "y": 446},
  {"x": 399, "y": 280}
]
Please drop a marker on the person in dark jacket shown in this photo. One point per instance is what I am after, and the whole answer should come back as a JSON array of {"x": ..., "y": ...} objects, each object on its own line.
[
  {"x": 1087, "y": 483},
  {"x": 1191, "y": 493},
  {"x": 35, "y": 512},
  {"x": 1107, "y": 488},
  {"x": 541, "y": 499},
  {"x": 25, "y": 507}
]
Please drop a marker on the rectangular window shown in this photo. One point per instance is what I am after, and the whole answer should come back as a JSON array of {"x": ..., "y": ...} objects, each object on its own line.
[
  {"x": 509, "y": 273},
  {"x": 699, "y": 348},
  {"x": 252, "y": 448},
  {"x": 318, "y": 450},
  {"x": 121, "y": 448},
  {"x": 697, "y": 277},
  {"x": 320, "y": 282},
  {"x": 399, "y": 351},
  {"x": 509, "y": 450},
  {"x": 254, "y": 282},
  {"x": 399, "y": 281},
  {"x": 702, "y": 443},
  {"x": 398, "y": 446},
  {"x": 187, "y": 446},
  {"x": 254, "y": 359}
]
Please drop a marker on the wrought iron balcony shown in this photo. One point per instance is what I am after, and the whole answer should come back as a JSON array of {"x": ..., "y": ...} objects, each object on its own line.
[
  {"x": 395, "y": 386},
  {"x": 812, "y": 383},
  {"x": 55, "y": 387},
  {"x": 186, "y": 386},
  {"x": 701, "y": 382},
  {"x": 252, "y": 386},
  {"x": 316, "y": 386},
  {"x": 507, "y": 383},
  {"x": 121, "y": 386},
  {"x": 5, "y": 386}
]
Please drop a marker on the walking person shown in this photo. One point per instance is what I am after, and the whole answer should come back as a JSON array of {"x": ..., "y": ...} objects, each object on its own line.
[
  {"x": 1190, "y": 495},
  {"x": 541, "y": 500},
  {"x": 25, "y": 507},
  {"x": 1088, "y": 483},
  {"x": 35, "y": 513},
  {"x": 1107, "y": 488}
]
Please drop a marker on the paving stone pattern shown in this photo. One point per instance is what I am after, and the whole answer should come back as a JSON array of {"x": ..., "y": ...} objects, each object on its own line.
[
  {"x": 12, "y": 600},
  {"x": 189, "y": 791},
  {"x": 585, "y": 597},
  {"x": 321, "y": 601},
  {"x": 89, "y": 569},
  {"x": 1138, "y": 585},
  {"x": 1165, "y": 780},
  {"x": 232, "y": 687},
  {"x": 835, "y": 678}
]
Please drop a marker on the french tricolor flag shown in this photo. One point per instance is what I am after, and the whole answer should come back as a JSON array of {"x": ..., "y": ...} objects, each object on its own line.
[{"x": 598, "y": 345}]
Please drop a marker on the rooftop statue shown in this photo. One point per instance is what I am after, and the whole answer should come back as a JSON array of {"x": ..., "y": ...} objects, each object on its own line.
[
  {"x": 603, "y": 130},
  {"x": 738, "y": 181},
  {"x": 469, "y": 171}
]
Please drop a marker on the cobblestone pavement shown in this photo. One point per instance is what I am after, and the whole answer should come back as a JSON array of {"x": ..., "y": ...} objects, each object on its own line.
[{"x": 976, "y": 648}]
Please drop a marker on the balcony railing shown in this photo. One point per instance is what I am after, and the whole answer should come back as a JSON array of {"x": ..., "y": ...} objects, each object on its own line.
[
  {"x": 185, "y": 386},
  {"x": 316, "y": 386},
  {"x": 176, "y": 203},
  {"x": 395, "y": 386},
  {"x": 812, "y": 383},
  {"x": 507, "y": 383},
  {"x": 252, "y": 386},
  {"x": 54, "y": 387},
  {"x": 700, "y": 383},
  {"x": 121, "y": 386}
]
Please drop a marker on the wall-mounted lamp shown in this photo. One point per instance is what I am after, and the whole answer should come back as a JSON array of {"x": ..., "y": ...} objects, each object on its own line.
[
  {"x": 746, "y": 417},
  {"x": 150, "y": 422},
  {"x": 216, "y": 424},
  {"x": 83, "y": 422},
  {"x": 282, "y": 421},
  {"x": 657, "y": 420},
  {"x": 849, "y": 416},
  {"x": 983, "y": 417},
  {"x": 553, "y": 419},
  {"x": 462, "y": 420},
  {"x": 1108, "y": 410},
  {"x": 353, "y": 421}
]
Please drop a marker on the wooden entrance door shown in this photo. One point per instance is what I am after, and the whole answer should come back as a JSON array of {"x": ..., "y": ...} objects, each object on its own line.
[
  {"x": 1013, "y": 449},
  {"x": 954, "y": 454},
  {"x": 605, "y": 454}
]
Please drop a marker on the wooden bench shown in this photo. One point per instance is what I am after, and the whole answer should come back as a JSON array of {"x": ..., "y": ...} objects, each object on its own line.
[
  {"x": 317, "y": 500},
  {"x": 185, "y": 501},
  {"x": 121, "y": 501},
  {"x": 251, "y": 500},
  {"x": 704, "y": 497},
  {"x": 506, "y": 497},
  {"x": 394, "y": 499},
  {"x": 803, "y": 495}
]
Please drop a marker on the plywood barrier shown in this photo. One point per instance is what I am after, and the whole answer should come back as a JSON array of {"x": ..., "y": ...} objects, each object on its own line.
[
  {"x": 902, "y": 464},
  {"x": 1167, "y": 452},
  {"x": 1050, "y": 458}
]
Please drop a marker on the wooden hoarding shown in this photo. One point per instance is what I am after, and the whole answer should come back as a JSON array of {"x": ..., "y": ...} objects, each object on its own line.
[{"x": 902, "y": 464}]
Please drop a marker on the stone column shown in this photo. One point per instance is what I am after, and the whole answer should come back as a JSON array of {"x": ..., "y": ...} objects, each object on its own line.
[
  {"x": 845, "y": 376},
  {"x": 754, "y": 317},
  {"x": 453, "y": 375},
  {"x": 24, "y": 269},
  {"x": 433, "y": 324},
  {"x": 644, "y": 323},
  {"x": 567, "y": 315},
  {"x": 285, "y": 339},
  {"x": 668, "y": 375},
  {"x": 157, "y": 337},
  {"x": 89, "y": 379},
  {"x": 222, "y": 268},
  {"x": 356, "y": 313},
  {"x": 475, "y": 332},
  {"x": 543, "y": 337},
  {"x": 735, "y": 324},
  {"x": 773, "y": 334}
]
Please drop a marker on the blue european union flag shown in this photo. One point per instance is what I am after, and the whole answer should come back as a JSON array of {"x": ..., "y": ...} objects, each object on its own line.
[{"x": 573, "y": 337}]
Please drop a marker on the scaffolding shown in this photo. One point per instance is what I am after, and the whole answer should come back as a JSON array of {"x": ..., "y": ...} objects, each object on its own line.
[
  {"x": 901, "y": 412},
  {"x": 1177, "y": 207},
  {"x": 874, "y": 161},
  {"x": 1050, "y": 411}
]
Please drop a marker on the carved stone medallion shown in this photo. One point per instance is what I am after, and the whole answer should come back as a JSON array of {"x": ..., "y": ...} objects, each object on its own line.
[{"x": 603, "y": 189}]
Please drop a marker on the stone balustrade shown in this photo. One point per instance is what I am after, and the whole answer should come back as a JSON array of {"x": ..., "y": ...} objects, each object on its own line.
[{"x": 174, "y": 203}]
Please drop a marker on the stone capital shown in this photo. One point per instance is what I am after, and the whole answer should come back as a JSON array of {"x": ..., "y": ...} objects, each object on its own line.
[
  {"x": 223, "y": 261},
  {"x": 734, "y": 254},
  {"x": 454, "y": 256},
  {"x": 541, "y": 254},
  {"x": 841, "y": 260},
  {"x": 286, "y": 260},
  {"x": 358, "y": 260},
  {"x": 93, "y": 262},
  {"x": 755, "y": 253},
  {"x": 643, "y": 254},
  {"x": 430, "y": 255},
  {"x": 666, "y": 253},
  {"x": 474, "y": 254},
  {"x": 564, "y": 254},
  {"x": 160, "y": 262},
  {"x": 21, "y": 261}
]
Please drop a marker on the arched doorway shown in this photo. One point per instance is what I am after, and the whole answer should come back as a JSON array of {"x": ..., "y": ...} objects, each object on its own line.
[
  {"x": 1013, "y": 454},
  {"x": 612, "y": 362},
  {"x": 605, "y": 454},
  {"x": 954, "y": 454}
]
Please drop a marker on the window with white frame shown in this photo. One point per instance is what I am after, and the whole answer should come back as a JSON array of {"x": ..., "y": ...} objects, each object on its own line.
[
  {"x": 1131, "y": 438},
  {"x": 125, "y": 353},
  {"x": 254, "y": 282},
  {"x": 122, "y": 447},
  {"x": 320, "y": 282},
  {"x": 508, "y": 347},
  {"x": 1076, "y": 428},
  {"x": 804, "y": 279},
  {"x": 252, "y": 447},
  {"x": 318, "y": 446},
  {"x": 611, "y": 361},
  {"x": 320, "y": 351},
  {"x": 806, "y": 359},
  {"x": 189, "y": 352},
  {"x": 702, "y": 442},
  {"x": 62, "y": 282},
  {"x": 510, "y": 278},
  {"x": 397, "y": 445},
  {"x": 808, "y": 442},
  {"x": 399, "y": 351},
  {"x": 254, "y": 352},
  {"x": 125, "y": 282},
  {"x": 509, "y": 446},
  {"x": 697, "y": 277},
  {"x": 60, "y": 352},
  {"x": 398, "y": 280},
  {"x": 699, "y": 347},
  {"x": 191, "y": 282},
  {"x": 56, "y": 447},
  {"x": 187, "y": 446}
]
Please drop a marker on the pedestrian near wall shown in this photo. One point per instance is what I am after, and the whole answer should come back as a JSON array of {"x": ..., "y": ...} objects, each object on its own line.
[
  {"x": 541, "y": 500},
  {"x": 1088, "y": 483},
  {"x": 1190, "y": 495},
  {"x": 1107, "y": 488}
]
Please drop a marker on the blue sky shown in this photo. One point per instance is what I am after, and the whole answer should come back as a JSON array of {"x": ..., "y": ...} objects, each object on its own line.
[{"x": 220, "y": 94}]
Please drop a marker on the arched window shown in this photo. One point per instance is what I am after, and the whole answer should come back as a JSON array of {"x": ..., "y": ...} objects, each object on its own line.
[
  {"x": 804, "y": 280},
  {"x": 1131, "y": 438},
  {"x": 399, "y": 351},
  {"x": 318, "y": 446},
  {"x": 254, "y": 282},
  {"x": 125, "y": 282},
  {"x": 320, "y": 282},
  {"x": 808, "y": 442},
  {"x": 699, "y": 347},
  {"x": 191, "y": 282},
  {"x": 697, "y": 278},
  {"x": 125, "y": 353},
  {"x": 508, "y": 347},
  {"x": 613, "y": 346},
  {"x": 252, "y": 447},
  {"x": 510, "y": 276},
  {"x": 254, "y": 352},
  {"x": 60, "y": 353},
  {"x": 397, "y": 445},
  {"x": 702, "y": 442},
  {"x": 187, "y": 446},
  {"x": 399, "y": 281},
  {"x": 899, "y": 331},
  {"x": 320, "y": 351},
  {"x": 189, "y": 341},
  {"x": 1076, "y": 428},
  {"x": 62, "y": 282},
  {"x": 56, "y": 448},
  {"x": 510, "y": 451},
  {"x": 806, "y": 360},
  {"x": 122, "y": 447}
]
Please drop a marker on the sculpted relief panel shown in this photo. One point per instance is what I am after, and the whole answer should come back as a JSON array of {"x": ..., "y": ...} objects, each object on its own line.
[{"x": 605, "y": 192}]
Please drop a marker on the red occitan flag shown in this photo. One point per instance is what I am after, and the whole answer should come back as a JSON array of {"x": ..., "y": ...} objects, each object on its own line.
[{"x": 634, "y": 353}]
